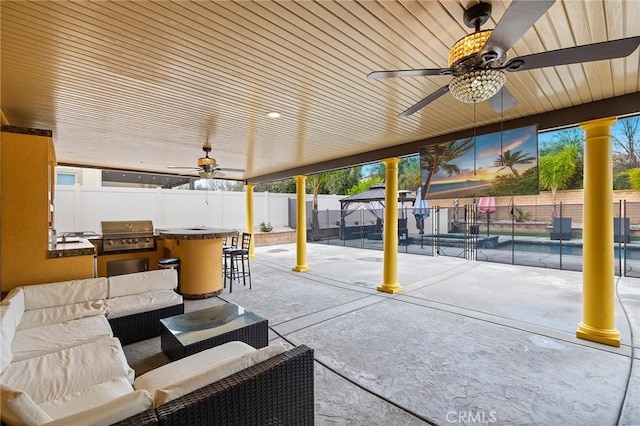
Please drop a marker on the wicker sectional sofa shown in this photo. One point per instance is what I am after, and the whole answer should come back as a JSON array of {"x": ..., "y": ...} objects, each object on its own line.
[
  {"x": 275, "y": 391},
  {"x": 137, "y": 301},
  {"x": 62, "y": 362}
]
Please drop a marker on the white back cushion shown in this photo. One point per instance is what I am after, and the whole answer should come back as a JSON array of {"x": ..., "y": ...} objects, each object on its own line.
[
  {"x": 10, "y": 316},
  {"x": 57, "y": 314},
  {"x": 15, "y": 306},
  {"x": 15, "y": 295},
  {"x": 7, "y": 331},
  {"x": 142, "y": 282},
  {"x": 64, "y": 293}
]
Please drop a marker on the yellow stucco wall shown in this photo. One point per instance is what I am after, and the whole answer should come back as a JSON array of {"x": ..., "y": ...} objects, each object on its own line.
[
  {"x": 24, "y": 215},
  {"x": 200, "y": 265}
]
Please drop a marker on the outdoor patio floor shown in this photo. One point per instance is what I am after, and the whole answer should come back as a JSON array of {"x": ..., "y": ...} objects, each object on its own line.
[{"x": 464, "y": 343}]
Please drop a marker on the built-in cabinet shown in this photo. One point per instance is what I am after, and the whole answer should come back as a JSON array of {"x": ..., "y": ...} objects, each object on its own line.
[{"x": 27, "y": 182}]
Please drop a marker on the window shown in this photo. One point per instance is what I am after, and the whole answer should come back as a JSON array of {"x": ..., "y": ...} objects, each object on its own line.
[{"x": 65, "y": 178}]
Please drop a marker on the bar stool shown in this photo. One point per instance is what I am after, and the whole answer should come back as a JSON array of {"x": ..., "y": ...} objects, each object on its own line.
[
  {"x": 235, "y": 259},
  {"x": 226, "y": 258}
]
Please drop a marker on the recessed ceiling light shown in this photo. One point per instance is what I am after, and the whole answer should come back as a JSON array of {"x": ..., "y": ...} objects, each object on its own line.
[{"x": 273, "y": 114}]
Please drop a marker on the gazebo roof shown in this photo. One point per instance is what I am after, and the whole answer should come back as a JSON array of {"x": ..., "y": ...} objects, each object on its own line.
[{"x": 375, "y": 193}]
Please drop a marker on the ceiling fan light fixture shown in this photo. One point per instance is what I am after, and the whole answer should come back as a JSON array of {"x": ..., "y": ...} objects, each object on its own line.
[
  {"x": 477, "y": 86},
  {"x": 206, "y": 161},
  {"x": 467, "y": 46},
  {"x": 207, "y": 174}
]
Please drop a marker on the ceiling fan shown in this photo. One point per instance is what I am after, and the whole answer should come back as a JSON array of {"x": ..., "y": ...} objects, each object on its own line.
[
  {"x": 207, "y": 166},
  {"x": 478, "y": 61}
]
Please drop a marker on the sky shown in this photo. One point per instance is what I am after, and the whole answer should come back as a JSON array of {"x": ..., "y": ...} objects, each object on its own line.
[{"x": 550, "y": 136}]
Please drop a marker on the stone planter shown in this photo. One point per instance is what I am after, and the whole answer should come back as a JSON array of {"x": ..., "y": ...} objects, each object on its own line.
[{"x": 274, "y": 237}]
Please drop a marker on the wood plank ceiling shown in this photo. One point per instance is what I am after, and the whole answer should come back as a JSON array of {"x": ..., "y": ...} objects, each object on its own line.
[{"x": 140, "y": 85}]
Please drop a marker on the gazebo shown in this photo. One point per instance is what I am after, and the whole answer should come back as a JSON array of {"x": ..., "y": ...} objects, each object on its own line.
[{"x": 373, "y": 200}]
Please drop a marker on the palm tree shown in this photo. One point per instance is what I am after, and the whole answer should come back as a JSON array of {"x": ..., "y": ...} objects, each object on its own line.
[
  {"x": 510, "y": 159},
  {"x": 437, "y": 157},
  {"x": 555, "y": 171}
]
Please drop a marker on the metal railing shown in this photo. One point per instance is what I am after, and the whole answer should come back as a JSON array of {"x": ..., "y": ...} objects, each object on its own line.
[{"x": 536, "y": 235}]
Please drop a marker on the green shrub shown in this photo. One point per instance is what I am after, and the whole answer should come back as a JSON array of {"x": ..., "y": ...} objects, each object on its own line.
[
  {"x": 266, "y": 227},
  {"x": 621, "y": 180},
  {"x": 634, "y": 179},
  {"x": 521, "y": 215}
]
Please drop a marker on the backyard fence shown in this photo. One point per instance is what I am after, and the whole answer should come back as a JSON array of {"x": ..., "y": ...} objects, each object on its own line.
[
  {"x": 533, "y": 235},
  {"x": 541, "y": 235},
  {"x": 82, "y": 208}
]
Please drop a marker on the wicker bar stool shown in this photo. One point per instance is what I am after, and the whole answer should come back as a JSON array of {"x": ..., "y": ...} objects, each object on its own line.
[{"x": 237, "y": 263}]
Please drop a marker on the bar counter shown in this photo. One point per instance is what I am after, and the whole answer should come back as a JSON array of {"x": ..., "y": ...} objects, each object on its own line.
[
  {"x": 200, "y": 252},
  {"x": 79, "y": 247}
]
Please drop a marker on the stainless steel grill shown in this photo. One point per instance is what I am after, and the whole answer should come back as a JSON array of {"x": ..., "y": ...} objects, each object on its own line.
[{"x": 127, "y": 235}]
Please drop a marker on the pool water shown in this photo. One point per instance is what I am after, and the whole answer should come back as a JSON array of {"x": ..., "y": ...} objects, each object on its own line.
[{"x": 570, "y": 250}]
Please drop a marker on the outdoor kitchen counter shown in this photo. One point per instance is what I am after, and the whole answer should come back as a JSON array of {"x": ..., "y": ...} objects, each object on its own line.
[
  {"x": 200, "y": 252},
  {"x": 72, "y": 248},
  {"x": 199, "y": 233}
]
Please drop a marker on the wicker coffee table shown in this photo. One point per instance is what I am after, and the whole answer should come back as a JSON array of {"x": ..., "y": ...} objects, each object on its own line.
[{"x": 187, "y": 334}]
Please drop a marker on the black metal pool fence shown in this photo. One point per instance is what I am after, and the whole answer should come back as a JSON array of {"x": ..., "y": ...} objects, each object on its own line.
[{"x": 539, "y": 235}]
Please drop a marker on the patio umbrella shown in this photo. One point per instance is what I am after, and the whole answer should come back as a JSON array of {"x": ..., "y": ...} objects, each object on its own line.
[
  {"x": 420, "y": 210},
  {"x": 487, "y": 205}
]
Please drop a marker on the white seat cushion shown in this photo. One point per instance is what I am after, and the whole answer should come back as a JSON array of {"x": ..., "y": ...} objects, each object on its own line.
[
  {"x": 57, "y": 314},
  {"x": 143, "y": 302},
  {"x": 110, "y": 412},
  {"x": 52, "y": 376},
  {"x": 86, "y": 399},
  {"x": 54, "y": 337},
  {"x": 191, "y": 365},
  {"x": 64, "y": 293},
  {"x": 143, "y": 282},
  {"x": 181, "y": 377}
]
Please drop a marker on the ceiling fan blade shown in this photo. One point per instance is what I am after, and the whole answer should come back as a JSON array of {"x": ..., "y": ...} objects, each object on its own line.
[
  {"x": 573, "y": 55},
  {"x": 375, "y": 75},
  {"x": 426, "y": 101},
  {"x": 516, "y": 21},
  {"x": 502, "y": 101},
  {"x": 226, "y": 169}
]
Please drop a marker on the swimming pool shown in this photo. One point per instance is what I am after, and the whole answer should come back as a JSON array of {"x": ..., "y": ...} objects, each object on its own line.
[{"x": 569, "y": 249}]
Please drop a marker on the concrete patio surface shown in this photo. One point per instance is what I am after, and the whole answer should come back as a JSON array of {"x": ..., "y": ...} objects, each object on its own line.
[{"x": 464, "y": 343}]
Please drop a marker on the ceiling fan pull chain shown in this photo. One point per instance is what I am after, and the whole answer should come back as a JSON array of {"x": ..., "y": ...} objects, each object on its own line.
[
  {"x": 475, "y": 141},
  {"x": 501, "y": 126}
]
